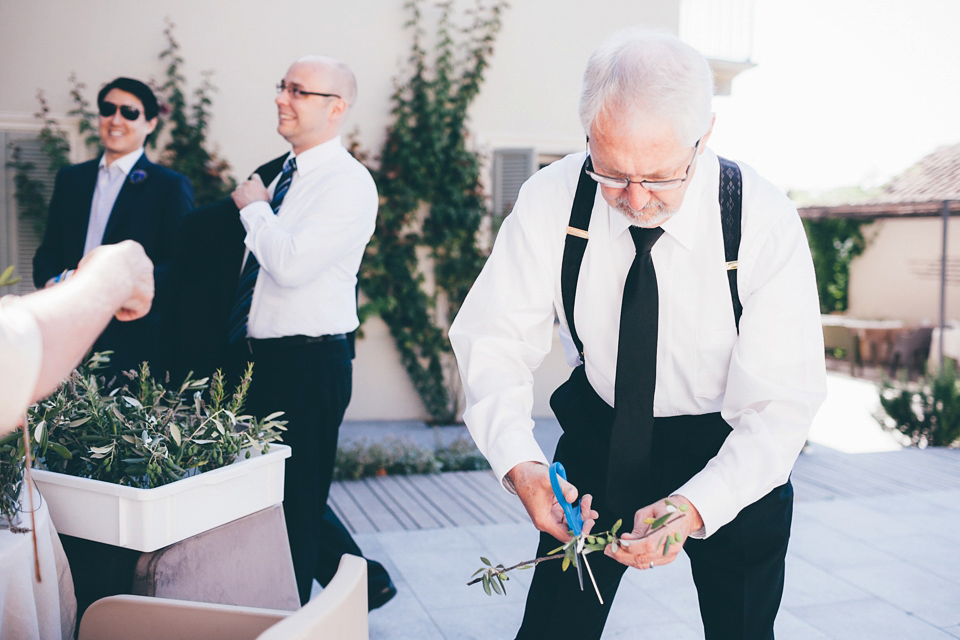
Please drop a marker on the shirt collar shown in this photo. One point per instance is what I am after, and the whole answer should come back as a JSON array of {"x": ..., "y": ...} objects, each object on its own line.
[
  {"x": 124, "y": 163},
  {"x": 682, "y": 225},
  {"x": 315, "y": 157}
]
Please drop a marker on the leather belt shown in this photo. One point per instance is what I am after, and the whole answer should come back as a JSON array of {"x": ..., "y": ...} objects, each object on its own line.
[{"x": 293, "y": 341}]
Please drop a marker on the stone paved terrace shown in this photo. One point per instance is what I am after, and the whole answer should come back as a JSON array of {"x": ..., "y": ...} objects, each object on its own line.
[{"x": 875, "y": 552}]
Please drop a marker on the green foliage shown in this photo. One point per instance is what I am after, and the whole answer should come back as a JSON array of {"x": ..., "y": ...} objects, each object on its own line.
[
  {"x": 834, "y": 243},
  {"x": 927, "y": 411},
  {"x": 493, "y": 576},
  {"x": 30, "y": 193},
  {"x": 396, "y": 456},
  {"x": 11, "y": 475},
  {"x": 7, "y": 278},
  {"x": 579, "y": 546},
  {"x": 143, "y": 435},
  {"x": 88, "y": 123},
  {"x": 432, "y": 202},
  {"x": 186, "y": 151}
]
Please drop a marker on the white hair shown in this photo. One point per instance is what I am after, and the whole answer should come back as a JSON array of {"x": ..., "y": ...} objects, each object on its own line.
[
  {"x": 638, "y": 73},
  {"x": 343, "y": 78}
]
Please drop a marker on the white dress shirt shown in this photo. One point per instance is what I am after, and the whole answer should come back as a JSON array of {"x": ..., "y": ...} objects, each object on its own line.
[
  {"x": 310, "y": 251},
  {"x": 109, "y": 182},
  {"x": 21, "y": 350},
  {"x": 767, "y": 383}
]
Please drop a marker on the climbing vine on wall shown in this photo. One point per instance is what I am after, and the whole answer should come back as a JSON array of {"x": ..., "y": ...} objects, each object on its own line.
[
  {"x": 186, "y": 151},
  {"x": 834, "y": 243},
  {"x": 424, "y": 255}
]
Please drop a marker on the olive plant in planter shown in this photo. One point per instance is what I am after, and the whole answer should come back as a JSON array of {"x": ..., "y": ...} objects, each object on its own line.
[{"x": 143, "y": 466}]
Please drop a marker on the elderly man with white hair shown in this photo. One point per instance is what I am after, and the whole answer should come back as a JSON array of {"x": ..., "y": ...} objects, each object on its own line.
[
  {"x": 296, "y": 302},
  {"x": 687, "y": 304}
]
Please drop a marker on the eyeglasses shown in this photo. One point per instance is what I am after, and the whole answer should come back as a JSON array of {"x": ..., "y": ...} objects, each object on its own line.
[
  {"x": 107, "y": 109},
  {"x": 649, "y": 185},
  {"x": 297, "y": 92}
]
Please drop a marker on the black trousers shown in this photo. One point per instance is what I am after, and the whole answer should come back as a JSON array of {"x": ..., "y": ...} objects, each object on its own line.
[
  {"x": 311, "y": 383},
  {"x": 738, "y": 571}
]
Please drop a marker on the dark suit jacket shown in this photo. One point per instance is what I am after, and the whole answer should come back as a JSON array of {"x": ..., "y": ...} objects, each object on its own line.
[
  {"x": 150, "y": 208},
  {"x": 203, "y": 281}
]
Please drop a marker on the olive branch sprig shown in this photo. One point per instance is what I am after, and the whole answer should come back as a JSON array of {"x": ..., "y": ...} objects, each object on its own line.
[{"x": 494, "y": 576}]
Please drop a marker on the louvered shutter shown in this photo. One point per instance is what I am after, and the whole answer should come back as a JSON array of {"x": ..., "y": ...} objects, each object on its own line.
[
  {"x": 20, "y": 238},
  {"x": 511, "y": 168}
]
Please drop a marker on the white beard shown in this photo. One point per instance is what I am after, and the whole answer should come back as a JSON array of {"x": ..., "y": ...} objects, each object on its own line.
[{"x": 653, "y": 214}]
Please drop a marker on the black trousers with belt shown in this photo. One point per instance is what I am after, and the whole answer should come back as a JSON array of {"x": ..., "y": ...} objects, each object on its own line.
[
  {"x": 738, "y": 571},
  {"x": 311, "y": 381}
]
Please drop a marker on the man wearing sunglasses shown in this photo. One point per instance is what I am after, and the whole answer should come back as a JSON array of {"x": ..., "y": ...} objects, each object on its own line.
[
  {"x": 688, "y": 308},
  {"x": 120, "y": 196}
]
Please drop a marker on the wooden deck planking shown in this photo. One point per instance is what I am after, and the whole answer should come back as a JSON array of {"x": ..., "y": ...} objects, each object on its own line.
[
  {"x": 349, "y": 510},
  {"x": 400, "y": 490},
  {"x": 468, "y": 498},
  {"x": 489, "y": 487},
  {"x": 483, "y": 499}
]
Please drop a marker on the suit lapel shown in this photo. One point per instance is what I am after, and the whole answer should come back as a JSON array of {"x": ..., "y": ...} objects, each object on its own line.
[
  {"x": 75, "y": 230},
  {"x": 133, "y": 186},
  {"x": 272, "y": 169}
]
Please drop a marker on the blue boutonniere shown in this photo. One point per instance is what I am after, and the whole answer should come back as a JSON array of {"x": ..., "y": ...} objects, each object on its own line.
[{"x": 138, "y": 176}]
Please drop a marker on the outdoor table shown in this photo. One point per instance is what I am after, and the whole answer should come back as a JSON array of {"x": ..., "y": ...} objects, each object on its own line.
[
  {"x": 30, "y": 609},
  {"x": 951, "y": 345}
]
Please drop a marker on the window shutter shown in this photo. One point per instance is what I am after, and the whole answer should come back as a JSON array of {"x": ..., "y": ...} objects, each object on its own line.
[
  {"x": 21, "y": 240},
  {"x": 511, "y": 168}
]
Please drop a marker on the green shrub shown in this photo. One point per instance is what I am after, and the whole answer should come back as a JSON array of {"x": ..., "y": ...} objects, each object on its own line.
[
  {"x": 926, "y": 411},
  {"x": 398, "y": 456}
]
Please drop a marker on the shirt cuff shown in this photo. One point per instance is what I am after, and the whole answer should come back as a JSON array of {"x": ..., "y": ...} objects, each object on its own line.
[
  {"x": 713, "y": 501},
  {"x": 511, "y": 449},
  {"x": 255, "y": 215},
  {"x": 21, "y": 350}
]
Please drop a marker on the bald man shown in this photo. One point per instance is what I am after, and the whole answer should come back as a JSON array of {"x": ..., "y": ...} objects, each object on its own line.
[{"x": 296, "y": 302}]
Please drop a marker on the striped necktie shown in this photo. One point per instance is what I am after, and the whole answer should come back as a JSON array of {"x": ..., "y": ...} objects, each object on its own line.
[{"x": 251, "y": 268}]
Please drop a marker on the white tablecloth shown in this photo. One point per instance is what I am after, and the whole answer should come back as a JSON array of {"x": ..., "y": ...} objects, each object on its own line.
[
  {"x": 30, "y": 609},
  {"x": 951, "y": 345}
]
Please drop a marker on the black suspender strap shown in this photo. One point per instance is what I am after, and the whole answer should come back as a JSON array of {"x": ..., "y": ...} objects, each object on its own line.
[
  {"x": 731, "y": 207},
  {"x": 574, "y": 247}
]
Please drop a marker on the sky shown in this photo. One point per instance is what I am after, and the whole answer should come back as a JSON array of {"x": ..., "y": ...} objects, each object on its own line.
[{"x": 845, "y": 92}]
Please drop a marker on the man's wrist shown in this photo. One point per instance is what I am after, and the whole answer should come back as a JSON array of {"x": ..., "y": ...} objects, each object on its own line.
[
  {"x": 510, "y": 482},
  {"x": 696, "y": 522}
]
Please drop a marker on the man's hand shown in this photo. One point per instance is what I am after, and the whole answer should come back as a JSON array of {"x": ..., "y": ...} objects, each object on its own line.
[
  {"x": 250, "y": 191},
  {"x": 124, "y": 272},
  {"x": 532, "y": 482},
  {"x": 641, "y": 547}
]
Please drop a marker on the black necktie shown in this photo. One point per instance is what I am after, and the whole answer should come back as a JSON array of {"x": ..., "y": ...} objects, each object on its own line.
[
  {"x": 251, "y": 268},
  {"x": 629, "y": 475}
]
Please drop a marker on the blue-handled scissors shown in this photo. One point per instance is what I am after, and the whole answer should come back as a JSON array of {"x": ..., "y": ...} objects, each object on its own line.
[
  {"x": 574, "y": 521},
  {"x": 571, "y": 511}
]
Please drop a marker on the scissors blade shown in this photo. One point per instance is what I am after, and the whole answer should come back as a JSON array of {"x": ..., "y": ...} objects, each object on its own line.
[
  {"x": 580, "y": 560},
  {"x": 592, "y": 579}
]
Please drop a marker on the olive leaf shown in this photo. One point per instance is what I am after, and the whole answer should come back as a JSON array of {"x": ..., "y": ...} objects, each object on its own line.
[{"x": 142, "y": 433}]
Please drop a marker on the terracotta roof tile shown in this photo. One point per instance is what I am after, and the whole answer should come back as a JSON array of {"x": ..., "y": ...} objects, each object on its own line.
[{"x": 935, "y": 178}]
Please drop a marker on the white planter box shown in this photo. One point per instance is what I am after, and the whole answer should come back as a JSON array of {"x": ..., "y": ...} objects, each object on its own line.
[{"x": 148, "y": 519}]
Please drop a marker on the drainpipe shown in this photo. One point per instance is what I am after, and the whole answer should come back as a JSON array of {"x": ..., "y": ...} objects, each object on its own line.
[{"x": 943, "y": 280}]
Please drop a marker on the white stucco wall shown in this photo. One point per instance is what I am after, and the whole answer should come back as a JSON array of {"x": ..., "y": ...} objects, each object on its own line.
[
  {"x": 898, "y": 276},
  {"x": 530, "y": 93},
  {"x": 529, "y": 97}
]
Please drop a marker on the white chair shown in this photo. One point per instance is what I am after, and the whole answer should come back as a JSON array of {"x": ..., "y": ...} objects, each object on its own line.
[{"x": 339, "y": 611}]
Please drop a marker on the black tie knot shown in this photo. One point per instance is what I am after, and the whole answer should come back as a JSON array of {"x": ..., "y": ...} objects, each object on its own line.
[{"x": 644, "y": 238}]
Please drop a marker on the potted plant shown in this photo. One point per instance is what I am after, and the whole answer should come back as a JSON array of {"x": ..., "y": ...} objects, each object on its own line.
[{"x": 143, "y": 466}]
